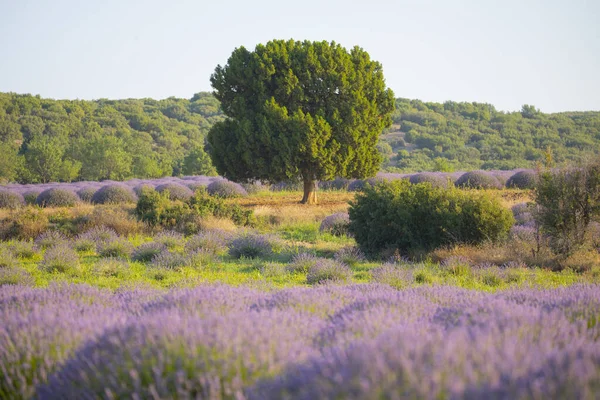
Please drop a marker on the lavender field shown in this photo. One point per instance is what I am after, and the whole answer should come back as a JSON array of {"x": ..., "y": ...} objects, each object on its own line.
[{"x": 351, "y": 342}]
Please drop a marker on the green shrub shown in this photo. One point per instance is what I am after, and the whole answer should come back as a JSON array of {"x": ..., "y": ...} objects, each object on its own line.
[
  {"x": 413, "y": 218},
  {"x": 567, "y": 202},
  {"x": 157, "y": 209}
]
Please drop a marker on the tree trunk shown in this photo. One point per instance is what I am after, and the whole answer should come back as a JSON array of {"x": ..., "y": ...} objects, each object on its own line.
[{"x": 310, "y": 192}]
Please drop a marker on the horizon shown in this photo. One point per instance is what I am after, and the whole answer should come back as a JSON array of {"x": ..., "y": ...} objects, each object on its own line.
[{"x": 545, "y": 54}]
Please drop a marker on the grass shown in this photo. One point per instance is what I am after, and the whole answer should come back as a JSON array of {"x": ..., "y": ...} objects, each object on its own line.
[{"x": 279, "y": 213}]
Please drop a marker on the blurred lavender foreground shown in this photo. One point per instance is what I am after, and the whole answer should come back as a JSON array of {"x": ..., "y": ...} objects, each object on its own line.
[{"x": 350, "y": 342}]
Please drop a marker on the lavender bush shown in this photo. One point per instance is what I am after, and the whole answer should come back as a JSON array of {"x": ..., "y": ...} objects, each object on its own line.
[
  {"x": 15, "y": 276},
  {"x": 522, "y": 180},
  {"x": 57, "y": 197},
  {"x": 326, "y": 270},
  {"x": 49, "y": 239},
  {"x": 302, "y": 263},
  {"x": 351, "y": 342},
  {"x": 336, "y": 224},
  {"x": 176, "y": 191},
  {"x": 30, "y": 196},
  {"x": 226, "y": 189},
  {"x": 87, "y": 193},
  {"x": 60, "y": 258},
  {"x": 147, "y": 251},
  {"x": 436, "y": 179},
  {"x": 115, "y": 248},
  {"x": 170, "y": 239},
  {"x": 213, "y": 241},
  {"x": 253, "y": 245},
  {"x": 114, "y": 194},
  {"x": 11, "y": 200},
  {"x": 478, "y": 180}
]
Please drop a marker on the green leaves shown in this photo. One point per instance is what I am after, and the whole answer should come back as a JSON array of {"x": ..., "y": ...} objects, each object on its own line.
[{"x": 308, "y": 110}]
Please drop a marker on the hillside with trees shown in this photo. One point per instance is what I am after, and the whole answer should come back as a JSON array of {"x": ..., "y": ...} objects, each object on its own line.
[
  {"x": 44, "y": 140},
  {"x": 466, "y": 136}
]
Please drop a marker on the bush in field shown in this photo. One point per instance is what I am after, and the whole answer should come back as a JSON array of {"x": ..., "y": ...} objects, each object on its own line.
[
  {"x": 110, "y": 267},
  {"x": 226, "y": 189},
  {"x": 567, "y": 202},
  {"x": 16, "y": 276},
  {"x": 60, "y": 258},
  {"x": 116, "y": 219},
  {"x": 302, "y": 262},
  {"x": 147, "y": 251},
  {"x": 87, "y": 193},
  {"x": 175, "y": 190},
  {"x": 114, "y": 194},
  {"x": 326, "y": 270},
  {"x": 336, "y": 224},
  {"x": 406, "y": 217},
  {"x": 157, "y": 209},
  {"x": 349, "y": 255},
  {"x": 57, "y": 197},
  {"x": 336, "y": 184},
  {"x": 359, "y": 184},
  {"x": 395, "y": 275},
  {"x": 273, "y": 270},
  {"x": 23, "y": 249},
  {"x": 170, "y": 239},
  {"x": 27, "y": 223},
  {"x": 434, "y": 179},
  {"x": 7, "y": 259},
  {"x": 11, "y": 200},
  {"x": 169, "y": 260},
  {"x": 31, "y": 196},
  {"x": 50, "y": 239},
  {"x": 90, "y": 239},
  {"x": 253, "y": 245},
  {"x": 116, "y": 248},
  {"x": 478, "y": 180},
  {"x": 213, "y": 241},
  {"x": 522, "y": 180}
]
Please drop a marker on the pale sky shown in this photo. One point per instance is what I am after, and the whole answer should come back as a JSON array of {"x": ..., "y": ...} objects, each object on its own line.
[{"x": 504, "y": 52}]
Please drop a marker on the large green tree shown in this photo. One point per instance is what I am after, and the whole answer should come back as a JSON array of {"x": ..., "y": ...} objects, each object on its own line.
[{"x": 299, "y": 110}]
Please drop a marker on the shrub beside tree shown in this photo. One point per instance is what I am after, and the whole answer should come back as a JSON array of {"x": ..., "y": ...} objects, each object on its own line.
[
  {"x": 414, "y": 218},
  {"x": 568, "y": 200}
]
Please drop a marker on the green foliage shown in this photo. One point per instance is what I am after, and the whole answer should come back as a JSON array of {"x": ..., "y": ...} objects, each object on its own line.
[
  {"x": 45, "y": 140},
  {"x": 420, "y": 217},
  {"x": 470, "y": 136},
  {"x": 567, "y": 202},
  {"x": 157, "y": 209},
  {"x": 197, "y": 162},
  {"x": 309, "y": 110}
]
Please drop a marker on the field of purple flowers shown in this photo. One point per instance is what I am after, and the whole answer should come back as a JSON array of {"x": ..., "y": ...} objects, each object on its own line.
[
  {"x": 181, "y": 187},
  {"x": 350, "y": 342}
]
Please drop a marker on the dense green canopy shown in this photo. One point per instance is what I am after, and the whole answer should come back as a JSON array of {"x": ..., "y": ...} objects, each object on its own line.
[{"x": 299, "y": 110}]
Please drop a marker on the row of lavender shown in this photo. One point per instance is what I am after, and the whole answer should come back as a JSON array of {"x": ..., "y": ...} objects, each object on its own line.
[
  {"x": 351, "y": 342},
  {"x": 182, "y": 187}
]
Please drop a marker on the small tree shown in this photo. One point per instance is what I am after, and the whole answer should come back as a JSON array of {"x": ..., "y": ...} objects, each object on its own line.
[
  {"x": 299, "y": 110},
  {"x": 567, "y": 201}
]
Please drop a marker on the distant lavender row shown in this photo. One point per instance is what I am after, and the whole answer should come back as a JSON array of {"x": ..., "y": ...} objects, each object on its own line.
[
  {"x": 351, "y": 342},
  {"x": 194, "y": 181}
]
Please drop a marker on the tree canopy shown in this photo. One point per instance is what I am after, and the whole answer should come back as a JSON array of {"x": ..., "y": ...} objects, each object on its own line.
[{"x": 299, "y": 110}]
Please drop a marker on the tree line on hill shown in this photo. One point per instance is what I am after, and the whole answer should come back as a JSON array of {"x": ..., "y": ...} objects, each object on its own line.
[
  {"x": 454, "y": 136},
  {"x": 45, "y": 140}
]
